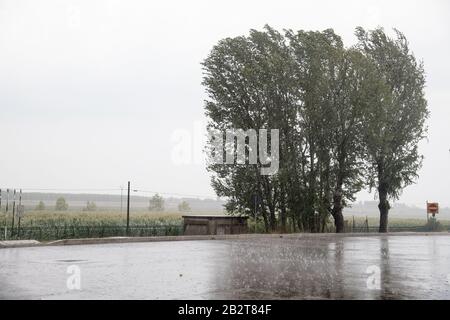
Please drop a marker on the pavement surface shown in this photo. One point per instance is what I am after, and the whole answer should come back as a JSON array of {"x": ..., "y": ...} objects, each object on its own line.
[
  {"x": 304, "y": 267},
  {"x": 19, "y": 243}
]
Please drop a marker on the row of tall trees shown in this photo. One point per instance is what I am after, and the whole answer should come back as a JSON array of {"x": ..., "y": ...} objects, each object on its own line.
[
  {"x": 62, "y": 205},
  {"x": 348, "y": 119}
]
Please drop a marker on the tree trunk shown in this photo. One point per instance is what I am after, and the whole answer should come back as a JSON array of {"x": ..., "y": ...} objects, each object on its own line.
[
  {"x": 324, "y": 224},
  {"x": 294, "y": 226},
  {"x": 266, "y": 221},
  {"x": 336, "y": 212},
  {"x": 384, "y": 207},
  {"x": 300, "y": 223},
  {"x": 339, "y": 221},
  {"x": 283, "y": 215},
  {"x": 273, "y": 219}
]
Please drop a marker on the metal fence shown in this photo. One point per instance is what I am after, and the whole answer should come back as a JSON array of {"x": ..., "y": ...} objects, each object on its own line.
[
  {"x": 353, "y": 227},
  {"x": 47, "y": 233},
  {"x": 394, "y": 228}
]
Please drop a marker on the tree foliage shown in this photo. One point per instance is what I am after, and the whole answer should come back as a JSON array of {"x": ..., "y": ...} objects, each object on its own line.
[
  {"x": 61, "y": 204},
  {"x": 156, "y": 203},
  {"x": 184, "y": 206},
  {"x": 40, "y": 206},
  {"x": 395, "y": 123},
  {"x": 348, "y": 118},
  {"x": 90, "y": 206}
]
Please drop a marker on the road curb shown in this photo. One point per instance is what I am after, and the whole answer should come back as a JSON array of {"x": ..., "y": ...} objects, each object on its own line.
[{"x": 113, "y": 240}]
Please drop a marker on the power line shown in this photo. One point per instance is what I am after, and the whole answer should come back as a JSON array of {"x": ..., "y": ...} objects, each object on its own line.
[
  {"x": 176, "y": 194},
  {"x": 119, "y": 189},
  {"x": 72, "y": 189}
]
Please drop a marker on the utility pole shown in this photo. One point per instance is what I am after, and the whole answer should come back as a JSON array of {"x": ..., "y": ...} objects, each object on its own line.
[
  {"x": 1, "y": 204},
  {"x": 13, "y": 213},
  {"x": 7, "y": 201},
  {"x": 1, "y": 210},
  {"x": 128, "y": 209},
  {"x": 20, "y": 213},
  {"x": 6, "y": 213}
]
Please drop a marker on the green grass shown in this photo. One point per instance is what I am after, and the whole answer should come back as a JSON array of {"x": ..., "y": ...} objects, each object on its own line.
[{"x": 52, "y": 225}]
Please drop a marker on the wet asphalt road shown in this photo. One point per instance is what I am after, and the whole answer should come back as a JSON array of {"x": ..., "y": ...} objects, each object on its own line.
[{"x": 316, "y": 267}]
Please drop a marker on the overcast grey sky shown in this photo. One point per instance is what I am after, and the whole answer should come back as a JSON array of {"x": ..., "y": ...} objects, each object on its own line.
[{"x": 91, "y": 92}]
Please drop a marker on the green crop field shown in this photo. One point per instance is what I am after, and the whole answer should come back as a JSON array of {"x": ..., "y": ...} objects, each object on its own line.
[
  {"x": 53, "y": 225},
  {"x": 44, "y": 218}
]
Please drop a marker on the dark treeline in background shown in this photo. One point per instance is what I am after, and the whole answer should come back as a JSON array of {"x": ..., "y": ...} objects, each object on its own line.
[{"x": 348, "y": 119}]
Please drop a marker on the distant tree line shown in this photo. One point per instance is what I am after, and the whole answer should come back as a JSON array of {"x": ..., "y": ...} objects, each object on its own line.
[
  {"x": 156, "y": 203},
  {"x": 184, "y": 206},
  {"x": 62, "y": 205},
  {"x": 348, "y": 119}
]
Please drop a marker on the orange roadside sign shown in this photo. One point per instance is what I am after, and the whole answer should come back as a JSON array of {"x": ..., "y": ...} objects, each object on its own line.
[{"x": 432, "y": 207}]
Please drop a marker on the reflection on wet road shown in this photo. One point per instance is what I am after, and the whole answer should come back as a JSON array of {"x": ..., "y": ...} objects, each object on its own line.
[{"x": 308, "y": 267}]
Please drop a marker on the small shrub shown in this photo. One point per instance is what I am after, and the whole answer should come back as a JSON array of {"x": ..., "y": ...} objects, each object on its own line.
[
  {"x": 156, "y": 203},
  {"x": 184, "y": 207},
  {"x": 40, "y": 206},
  {"x": 61, "y": 204},
  {"x": 433, "y": 225},
  {"x": 90, "y": 206}
]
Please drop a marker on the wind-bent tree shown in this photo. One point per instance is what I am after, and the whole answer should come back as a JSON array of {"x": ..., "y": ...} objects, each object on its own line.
[
  {"x": 329, "y": 122},
  {"x": 312, "y": 52},
  {"x": 244, "y": 78},
  {"x": 343, "y": 114},
  {"x": 395, "y": 121},
  {"x": 304, "y": 85}
]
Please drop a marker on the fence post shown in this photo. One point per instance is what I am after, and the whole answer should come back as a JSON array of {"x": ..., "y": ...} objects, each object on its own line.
[
  {"x": 13, "y": 213},
  {"x": 7, "y": 206},
  {"x": 128, "y": 209},
  {"x": 353, "y": 224},
  {"x": 20, "y": 213}
]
